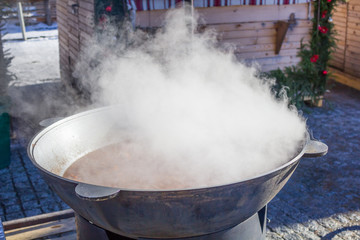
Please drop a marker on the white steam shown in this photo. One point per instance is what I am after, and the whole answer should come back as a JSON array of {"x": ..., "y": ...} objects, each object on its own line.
[{"x": 204, "y": 112}]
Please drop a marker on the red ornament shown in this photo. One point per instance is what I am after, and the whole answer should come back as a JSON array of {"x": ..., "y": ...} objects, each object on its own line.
[
  {"x": 323, "y": 29},
  {"x": 314, "y": 58},
  {"x": 328, "y": 1},
  {"x": 108, "y": 9},
  {"x": 324, "y": 72},
  {"x": 323, "y": 14}
]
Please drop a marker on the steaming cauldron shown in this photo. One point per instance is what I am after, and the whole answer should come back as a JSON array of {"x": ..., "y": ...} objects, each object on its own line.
[{"x": 149, "y": 213}]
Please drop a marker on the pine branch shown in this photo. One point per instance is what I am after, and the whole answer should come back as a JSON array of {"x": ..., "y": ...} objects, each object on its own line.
[{"x": 309, "y": 77}]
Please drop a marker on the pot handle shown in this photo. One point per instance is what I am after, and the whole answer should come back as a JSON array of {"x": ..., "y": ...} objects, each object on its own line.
[
  {"x": 95, "y": 193},
  {"x": 315, "y": 149},
  {"x": 47, "y": 122}
]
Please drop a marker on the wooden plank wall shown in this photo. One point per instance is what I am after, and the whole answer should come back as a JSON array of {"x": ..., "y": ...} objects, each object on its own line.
[
  {"x": 252, "y": 30},
  {"x": 352, "y": 50},
  {"x": 75, "y": 26},
  {"x": 347, "y": 57},
  {"x": 340, "y": 22},
  {"x": 61, "y": 13}
]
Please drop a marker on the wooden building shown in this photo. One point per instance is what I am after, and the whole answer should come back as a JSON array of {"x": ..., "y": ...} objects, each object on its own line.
[
  {"x": 258, "y": 28},
  {"x": 76, "y": 23},
  {"x": 34, "y": 11},
  {"x": 346, "y": 59}
]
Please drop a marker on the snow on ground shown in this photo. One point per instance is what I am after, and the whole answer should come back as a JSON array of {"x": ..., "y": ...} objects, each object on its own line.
[
  {"x": 37, "y": 92},
  {"x": 36, "y": 60}
]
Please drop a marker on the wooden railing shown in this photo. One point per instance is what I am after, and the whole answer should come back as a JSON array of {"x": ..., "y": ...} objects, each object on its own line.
[{"x": 33, "y": 11}]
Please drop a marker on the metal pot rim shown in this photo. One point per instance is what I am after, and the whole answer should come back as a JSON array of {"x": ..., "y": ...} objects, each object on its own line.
[{"x": 37, "y": 137}]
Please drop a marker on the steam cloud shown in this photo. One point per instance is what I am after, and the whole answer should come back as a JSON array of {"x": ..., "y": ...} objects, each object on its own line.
[{"x": 204, "y": 112}]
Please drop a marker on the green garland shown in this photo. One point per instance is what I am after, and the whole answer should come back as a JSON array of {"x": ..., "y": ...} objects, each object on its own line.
[
  {"x": 305, "y": 80},
  {"x": 309, "y": 77},
  {"x": 109, "y": 11}
]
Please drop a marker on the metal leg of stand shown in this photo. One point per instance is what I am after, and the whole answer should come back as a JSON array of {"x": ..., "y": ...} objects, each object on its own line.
[
  {"x": 88, "y": 231},
  {"x": 254, "y": 228}
]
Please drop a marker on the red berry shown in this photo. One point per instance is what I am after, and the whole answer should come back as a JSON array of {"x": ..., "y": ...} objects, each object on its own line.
[
  {"x": 323, "y": 14},
  {"x": 323, "y": 29},
  {"x": 314, "y": 58}
]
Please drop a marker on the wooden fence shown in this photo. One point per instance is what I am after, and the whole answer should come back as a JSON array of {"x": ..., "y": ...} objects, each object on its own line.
[
  {"x": 45, "y": 10},
  {"x": 33, "y": 11}
]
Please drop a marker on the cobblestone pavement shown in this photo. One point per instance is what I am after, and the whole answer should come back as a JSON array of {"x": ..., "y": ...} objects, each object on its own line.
[
  {"x": 322, "y": 198},
  {"x": 23, "y": 192},
  {"x": 320, "y": 201}
]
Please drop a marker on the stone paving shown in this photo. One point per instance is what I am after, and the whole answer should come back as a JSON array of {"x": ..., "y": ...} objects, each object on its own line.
[
  {"x": 322, "y": 198},
  {"x": 320, "y": 201},
  {"x": 23, "y": 192}
]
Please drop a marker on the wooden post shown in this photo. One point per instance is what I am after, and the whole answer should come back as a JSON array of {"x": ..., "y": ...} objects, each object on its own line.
[
  {"x": 39, "y": 219},
  {"x": 47, "y": 7},
  {"x": 21, "y": 20}
]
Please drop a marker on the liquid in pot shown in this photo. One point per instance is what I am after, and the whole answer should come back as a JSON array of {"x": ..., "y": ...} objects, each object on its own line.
[
  {"x": 132, "y": 165},
  {"x": 125, "y": 166}
]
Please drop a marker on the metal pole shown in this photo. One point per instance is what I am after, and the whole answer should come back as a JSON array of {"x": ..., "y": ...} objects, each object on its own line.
[
  {"x": 192, "y": 18},
  {"x": 47, "y": 6},
  {"x": 21, "y": 20}
]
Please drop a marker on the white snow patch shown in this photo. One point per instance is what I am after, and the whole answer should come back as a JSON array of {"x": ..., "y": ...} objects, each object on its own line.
[{"x": 37, "y": 59}]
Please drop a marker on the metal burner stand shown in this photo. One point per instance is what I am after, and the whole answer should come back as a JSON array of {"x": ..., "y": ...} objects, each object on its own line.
[{"x": 254, "y": 228}]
